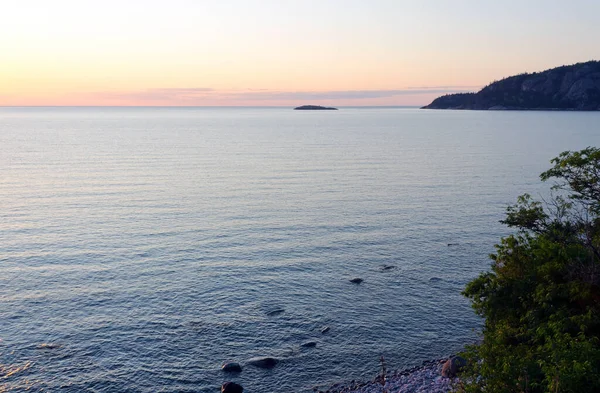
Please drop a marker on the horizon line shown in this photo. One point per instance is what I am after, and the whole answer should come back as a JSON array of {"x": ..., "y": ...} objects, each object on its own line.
[{"x": 199, "y": 106}]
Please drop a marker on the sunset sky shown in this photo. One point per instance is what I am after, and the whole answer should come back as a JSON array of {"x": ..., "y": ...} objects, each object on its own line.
[{"x": 280, "y": 52}]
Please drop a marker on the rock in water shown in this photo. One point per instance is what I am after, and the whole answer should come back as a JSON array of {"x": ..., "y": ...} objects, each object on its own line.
[
  {"x": 356, "y": 280},
  {"x": 232, "y": 367},
  {"x": 231, "y": 387},
  {"x": 309, "y": 344},
  {"x": 453, "y": 366},
  {"x": 263, "y": 362},
  {"x": 314, "y": 108},
  {"x": 48, "y": 346},
  {"x": 274, "y": 312},
  {"x": 385, "y": 268}
]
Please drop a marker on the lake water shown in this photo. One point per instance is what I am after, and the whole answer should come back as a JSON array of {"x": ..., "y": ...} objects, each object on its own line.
[{"x": 140, "y": 248}]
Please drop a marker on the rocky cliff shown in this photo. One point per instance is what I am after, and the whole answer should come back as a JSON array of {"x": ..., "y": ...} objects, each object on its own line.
[{"x": 574, "y": 87}]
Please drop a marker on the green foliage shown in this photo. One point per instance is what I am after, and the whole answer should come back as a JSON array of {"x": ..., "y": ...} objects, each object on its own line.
[
  {"x": 541, "y": 299},
  {"x": 579, "y": 172}
]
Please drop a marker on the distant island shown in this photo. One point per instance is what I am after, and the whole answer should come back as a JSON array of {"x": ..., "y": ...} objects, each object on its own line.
[
  {"x": 314, "y": 108},
  {"x": 574, "y": 87}
]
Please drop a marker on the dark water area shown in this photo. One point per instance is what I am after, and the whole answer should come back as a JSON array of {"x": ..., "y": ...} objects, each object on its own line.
[{"x": 140, "y": 248}]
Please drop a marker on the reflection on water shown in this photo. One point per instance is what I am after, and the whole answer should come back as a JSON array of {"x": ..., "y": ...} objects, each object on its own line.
[{"x": 143, "y": 247}]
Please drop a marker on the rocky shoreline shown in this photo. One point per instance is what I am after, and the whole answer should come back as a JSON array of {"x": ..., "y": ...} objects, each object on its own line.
[
  {"x": 426, "y": 378},
  {"x": 432, "y": 376}
]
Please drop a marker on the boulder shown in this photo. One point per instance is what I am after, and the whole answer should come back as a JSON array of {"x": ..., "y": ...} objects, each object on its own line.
[
  {"x": 232, "y": 367},
  {"x": 49, "y": 346},
  {"x": 276, "y": 311},
  {"x": 453, "y": 366},
  {"x": 263, "y": 362},
  {"x": 231, "y": 387}
]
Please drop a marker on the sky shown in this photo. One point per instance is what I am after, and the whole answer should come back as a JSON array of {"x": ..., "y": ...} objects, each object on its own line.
[{"x": 280, "y": 52}]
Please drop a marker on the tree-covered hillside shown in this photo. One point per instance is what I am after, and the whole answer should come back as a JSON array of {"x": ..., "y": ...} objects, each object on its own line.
[{"x": 574, "y": 87}]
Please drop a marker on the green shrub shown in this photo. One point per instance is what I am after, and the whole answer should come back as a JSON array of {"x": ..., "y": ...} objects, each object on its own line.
[{"x": 541, "y": 299}]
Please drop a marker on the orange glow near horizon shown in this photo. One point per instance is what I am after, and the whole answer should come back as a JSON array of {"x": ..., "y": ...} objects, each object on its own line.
[
  {"x": 383, "y": 52},
  {"x": 205, "y": 97}
]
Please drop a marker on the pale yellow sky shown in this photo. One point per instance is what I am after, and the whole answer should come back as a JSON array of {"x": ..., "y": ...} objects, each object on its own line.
[{"x": 343, "y": 52}]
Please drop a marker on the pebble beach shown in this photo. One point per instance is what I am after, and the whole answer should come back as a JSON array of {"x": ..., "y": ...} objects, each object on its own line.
[{"x": 423, "y": 379}]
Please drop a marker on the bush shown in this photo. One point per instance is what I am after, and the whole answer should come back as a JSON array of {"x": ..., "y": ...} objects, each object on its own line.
[{"x": 541, "y": 299}]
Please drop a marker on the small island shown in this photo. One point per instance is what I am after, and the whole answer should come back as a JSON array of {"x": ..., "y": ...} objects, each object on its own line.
[
  {"x": 314, "y": 108},
  {"x": 568, "y": 88}
]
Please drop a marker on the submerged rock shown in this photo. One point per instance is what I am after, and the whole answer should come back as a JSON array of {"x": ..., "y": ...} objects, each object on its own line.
[
  {"x": 263, "y": 362},
  {"x": 231, "y": 387},
  {"x": 275, "y": 312},
  {"x": 385, "y": 268},
  {"x": 48, "y": 346},
  {"x": 232, "y": 367},
  {"x": 453, "y": 366},
  {"x": 356, "y": 280}
]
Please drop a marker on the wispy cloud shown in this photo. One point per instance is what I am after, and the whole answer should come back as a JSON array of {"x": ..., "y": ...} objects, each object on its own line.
[
  {"x": 339, "y": 94},
  {"x": 447, "y": 87},
  {"x": 198, "y": 96},
  {"x": 158, "y": 94},
  {"x": 207, "y": 95}
]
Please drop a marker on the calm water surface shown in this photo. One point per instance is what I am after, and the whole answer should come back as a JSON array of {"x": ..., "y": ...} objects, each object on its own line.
[{"x": 140, "y": 248}]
